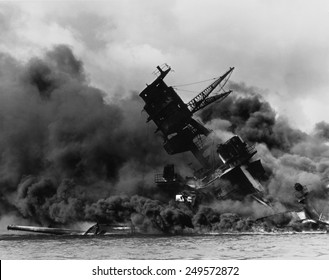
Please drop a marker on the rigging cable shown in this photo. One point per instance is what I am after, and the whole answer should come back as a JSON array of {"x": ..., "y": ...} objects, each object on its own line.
[
  {"x": 179, "y": 89},
  {"x": 182, "y": 85}
]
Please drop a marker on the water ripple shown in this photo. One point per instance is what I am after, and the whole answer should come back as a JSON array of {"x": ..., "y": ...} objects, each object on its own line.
[{"x": 228, "y": 246}]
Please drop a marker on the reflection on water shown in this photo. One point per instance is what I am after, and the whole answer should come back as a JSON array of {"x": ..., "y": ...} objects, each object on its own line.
[{"x": 227, "y": 246}]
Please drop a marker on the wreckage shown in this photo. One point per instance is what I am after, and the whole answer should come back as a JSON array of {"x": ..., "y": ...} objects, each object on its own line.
[
  {"x": 96, "y": 229},
  {"x": 231, "y": 173}
]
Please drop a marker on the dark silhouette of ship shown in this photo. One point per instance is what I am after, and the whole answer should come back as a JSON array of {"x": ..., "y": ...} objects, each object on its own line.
[{"x": 234, "y": 174}]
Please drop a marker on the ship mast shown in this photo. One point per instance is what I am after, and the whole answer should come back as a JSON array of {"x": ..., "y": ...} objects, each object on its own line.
[{"x": 174, "y": 118}]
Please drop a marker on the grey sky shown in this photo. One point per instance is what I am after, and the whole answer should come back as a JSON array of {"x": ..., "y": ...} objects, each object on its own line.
[{"x": 281, "y": 47}]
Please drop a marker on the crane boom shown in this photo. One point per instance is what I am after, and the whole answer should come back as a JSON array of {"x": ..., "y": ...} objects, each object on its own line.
[
  {"x": 194, "y": 104},
  {"x": 210, "y": 100}
]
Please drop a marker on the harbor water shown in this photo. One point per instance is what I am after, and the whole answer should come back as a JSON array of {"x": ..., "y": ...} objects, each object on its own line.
[{"x": 283, "y": 246}]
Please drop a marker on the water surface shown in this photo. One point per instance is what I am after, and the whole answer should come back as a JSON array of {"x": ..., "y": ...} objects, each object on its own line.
[{"x": 224, "y": 246}]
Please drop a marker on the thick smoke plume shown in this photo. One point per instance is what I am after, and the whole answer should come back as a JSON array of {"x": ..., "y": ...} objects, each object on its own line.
[
  {"x": 62, "y": 148},
  {"x": 251, "y": 117},
  {"x": 288, "y": 155},
  {"x": 67, "y": 156}
]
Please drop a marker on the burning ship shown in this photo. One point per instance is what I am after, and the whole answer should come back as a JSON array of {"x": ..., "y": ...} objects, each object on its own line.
[{"x": 234, "y": 173}]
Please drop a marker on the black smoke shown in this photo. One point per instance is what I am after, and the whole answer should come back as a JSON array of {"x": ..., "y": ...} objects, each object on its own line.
[
  {"x": 288, "y": 154},
  {"x": 67, "y": 155},
  {"x": 63, "y": 147},
  {"x": 253, "y": 118},
  {"x": 322, "y": 130}
]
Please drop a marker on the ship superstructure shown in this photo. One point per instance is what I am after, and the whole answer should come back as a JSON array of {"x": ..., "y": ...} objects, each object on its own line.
[
  {"x": 174, "y": 118},
  {"x": 182, "y": 133}
]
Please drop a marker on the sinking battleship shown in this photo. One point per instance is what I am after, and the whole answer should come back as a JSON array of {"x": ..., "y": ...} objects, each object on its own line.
[{"x": 233, "y": 174}]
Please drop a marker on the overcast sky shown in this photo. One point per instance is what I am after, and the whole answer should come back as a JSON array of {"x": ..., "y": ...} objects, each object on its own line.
[{"x": 280, "y": 47}]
